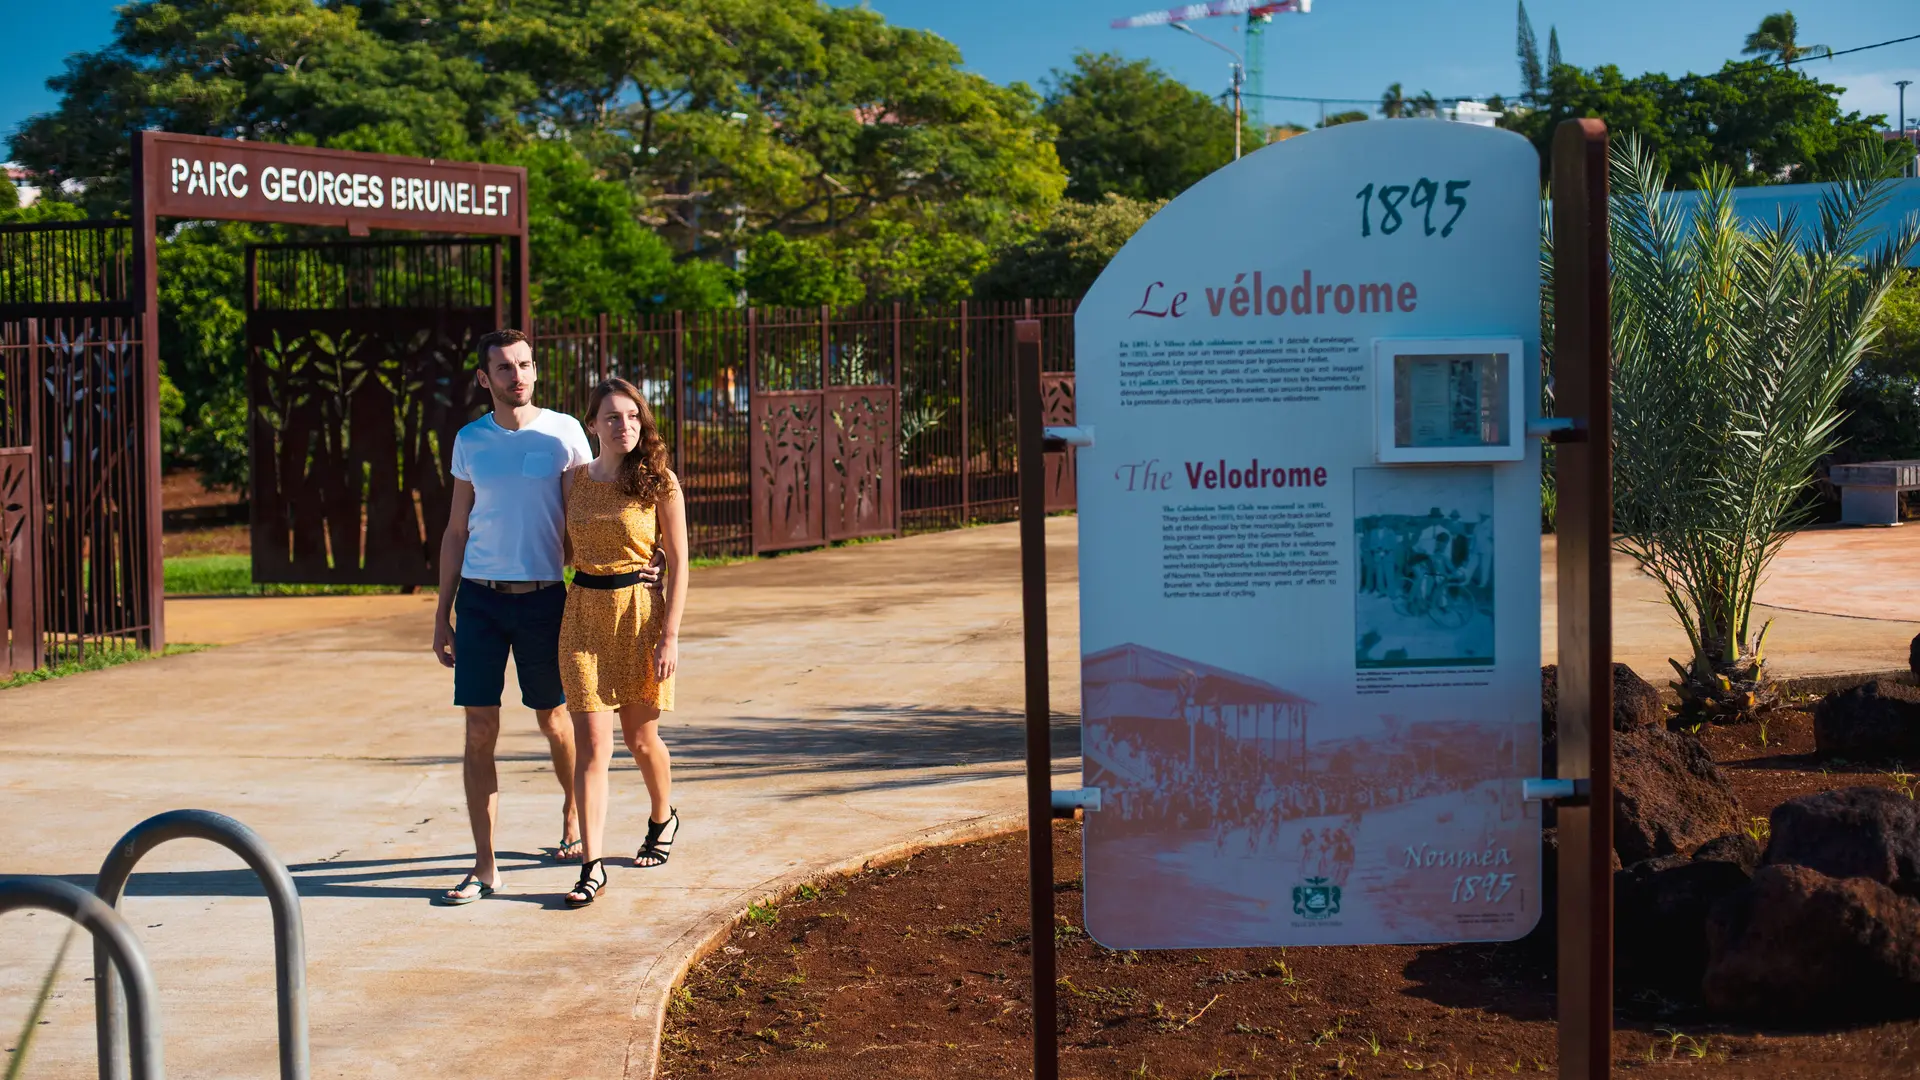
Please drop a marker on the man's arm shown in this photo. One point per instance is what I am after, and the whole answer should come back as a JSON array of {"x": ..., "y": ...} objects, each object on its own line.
[{"x": 453, "y": 554}]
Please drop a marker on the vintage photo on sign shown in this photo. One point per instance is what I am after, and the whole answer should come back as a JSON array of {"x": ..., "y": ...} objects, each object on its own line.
[{"x": 1423, "y": 590}]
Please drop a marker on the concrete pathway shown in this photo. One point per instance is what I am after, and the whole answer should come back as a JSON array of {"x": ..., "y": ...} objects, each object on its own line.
[{"x": 833, "y": 703}]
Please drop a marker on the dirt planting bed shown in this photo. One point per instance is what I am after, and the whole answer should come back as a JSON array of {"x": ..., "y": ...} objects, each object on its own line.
[{"x": 919, "y": 969}]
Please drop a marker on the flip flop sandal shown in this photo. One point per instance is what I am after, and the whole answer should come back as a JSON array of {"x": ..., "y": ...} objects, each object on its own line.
[
  {"x": 570, "y": 851},
  {"x": 587, "y": 888},
  {"x": 458, "y": 895},
  {"x": 656, "y": 850}
]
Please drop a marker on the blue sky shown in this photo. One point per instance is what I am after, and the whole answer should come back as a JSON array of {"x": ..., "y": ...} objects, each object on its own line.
[{"x": 1345, "y": 48}]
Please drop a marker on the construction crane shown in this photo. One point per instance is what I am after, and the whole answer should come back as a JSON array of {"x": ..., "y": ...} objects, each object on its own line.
[{"x": 1252, "y": 69}]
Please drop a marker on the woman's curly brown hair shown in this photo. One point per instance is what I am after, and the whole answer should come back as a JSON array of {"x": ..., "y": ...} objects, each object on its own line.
[{"x": 643, "y": 470}]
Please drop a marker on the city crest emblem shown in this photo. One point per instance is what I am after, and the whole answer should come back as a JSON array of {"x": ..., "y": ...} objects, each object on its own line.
[{"x": 1316, "y": 899}]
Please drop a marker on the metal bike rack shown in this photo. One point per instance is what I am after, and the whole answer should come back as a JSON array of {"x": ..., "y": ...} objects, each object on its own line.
[
  {"x": 114, "y": 943},
  {"x": 289, "y": 940}
]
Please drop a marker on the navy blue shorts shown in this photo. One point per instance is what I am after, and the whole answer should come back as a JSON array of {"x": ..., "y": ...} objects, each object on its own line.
[{"x": 487, "y": 625}]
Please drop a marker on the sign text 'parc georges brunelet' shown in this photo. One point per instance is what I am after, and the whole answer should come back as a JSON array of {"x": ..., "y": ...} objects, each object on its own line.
[
  {"x": 191, "y": 176},
  {"x": 1309, "y": 549}
]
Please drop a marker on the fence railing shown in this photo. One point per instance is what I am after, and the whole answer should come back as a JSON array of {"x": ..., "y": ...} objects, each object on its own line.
[{"x": 945, "y": 454}]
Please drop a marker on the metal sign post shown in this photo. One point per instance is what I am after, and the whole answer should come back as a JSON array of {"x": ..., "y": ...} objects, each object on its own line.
[
  {"x": 1033, "y": 601},
  {"x": 1582, "y": 366}
]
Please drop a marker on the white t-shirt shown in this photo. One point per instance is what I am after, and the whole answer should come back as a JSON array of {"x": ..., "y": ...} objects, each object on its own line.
[{"x": 518, "y": 522}]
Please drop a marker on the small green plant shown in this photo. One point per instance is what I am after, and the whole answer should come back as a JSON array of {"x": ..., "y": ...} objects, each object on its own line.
[
  {"x": 764, "y": 913},
  {"x": 1372, "y": 1043},
  {"x": 1763, "y": 731},
  {"x": 1682, "y": 1043},
  {"x": 1694, "y": 728},
  {"x": 1759, "y": 829},
  {"x": 17, "y": 1066},
  {"x": 1902, "y": 780},
  {"x": 807, "y": 892}
]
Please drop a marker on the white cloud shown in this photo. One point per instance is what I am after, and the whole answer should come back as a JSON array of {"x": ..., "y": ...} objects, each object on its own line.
[{"x": 1873, "y": 92}]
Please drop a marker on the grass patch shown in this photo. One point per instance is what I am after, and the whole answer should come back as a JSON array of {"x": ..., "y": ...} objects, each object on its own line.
[
  {"x": 95, "y": 662},
  {"x": 232, "y": 575}
]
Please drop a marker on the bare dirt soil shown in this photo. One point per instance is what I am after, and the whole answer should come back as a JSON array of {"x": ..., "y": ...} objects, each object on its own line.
[
  {"x": 198, "y": 520},
  {"x": 920, "y": 969}
]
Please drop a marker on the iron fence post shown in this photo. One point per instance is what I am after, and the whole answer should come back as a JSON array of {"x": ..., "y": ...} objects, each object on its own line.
[
  {"x": 679, "y": 402},
  {"x": 966, "y": 445},
  {"x": 898, "y": 464},
  {"x": 146, "y": 267},
  {"x": 1033, "y": 603},
  {"x": 115, "y": 947},
  {"x": 602, "y": 357},
  {"x": 1584, "y": 474},
  {"x": 289, "y": 937}
]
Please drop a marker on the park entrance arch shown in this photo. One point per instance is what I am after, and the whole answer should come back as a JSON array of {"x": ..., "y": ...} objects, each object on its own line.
[{"x": 357, "y": 358}]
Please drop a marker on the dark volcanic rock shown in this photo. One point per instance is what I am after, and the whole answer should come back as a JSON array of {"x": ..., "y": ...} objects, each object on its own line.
[
  {"x": 1635, "y": 701},
  {"x": 1863, "y": 832},
  {"x": 1875, "y": 721},
  {"x": 1913, "y": 658},
  {"x": 1797, "y": 946},
  {"x": 1669, "y": 797},
  {"x": 1739, "y": 849},
  {"x": 1660, "y": 918}
]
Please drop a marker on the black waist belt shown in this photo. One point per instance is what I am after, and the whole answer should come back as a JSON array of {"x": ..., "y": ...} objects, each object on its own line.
[{"x": 606, "y": 581}]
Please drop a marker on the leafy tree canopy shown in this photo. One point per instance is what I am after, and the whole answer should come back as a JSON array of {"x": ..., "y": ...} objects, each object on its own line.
[
  {"x": 1063, "y": 258},
  {"x": 1127, "y": 128},
  {"x": 1767, "y": 124}
]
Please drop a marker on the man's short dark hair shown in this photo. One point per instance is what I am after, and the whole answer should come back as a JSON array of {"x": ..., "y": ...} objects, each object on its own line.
[{"x": 498, "y": 339}]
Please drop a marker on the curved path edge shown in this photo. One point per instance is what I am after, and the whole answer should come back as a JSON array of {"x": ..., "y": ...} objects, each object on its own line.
[{"x": 701, "y": 939}]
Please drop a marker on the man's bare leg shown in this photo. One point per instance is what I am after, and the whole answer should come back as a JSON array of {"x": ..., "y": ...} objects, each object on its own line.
[
  {"x": 483, "y": 788},
  {"x": 557, "y": 726}
]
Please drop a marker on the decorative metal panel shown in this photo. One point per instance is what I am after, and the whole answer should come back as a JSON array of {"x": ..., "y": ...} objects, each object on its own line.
[{"x": 787, "y": 470}]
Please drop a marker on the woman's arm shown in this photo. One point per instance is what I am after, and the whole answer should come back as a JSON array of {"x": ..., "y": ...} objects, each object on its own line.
[
  {"x": 566, "y": 534},
  {"x": 673, "y": 537}
]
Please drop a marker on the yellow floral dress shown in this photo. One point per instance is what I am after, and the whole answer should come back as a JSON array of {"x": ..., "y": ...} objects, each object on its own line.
[{"x": 608, "y": 636}]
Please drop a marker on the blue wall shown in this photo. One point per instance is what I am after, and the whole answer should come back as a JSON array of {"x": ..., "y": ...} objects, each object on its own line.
[{"x": 1763, "y": 206}]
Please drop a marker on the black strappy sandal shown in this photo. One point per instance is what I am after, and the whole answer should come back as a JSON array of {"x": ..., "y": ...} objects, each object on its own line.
[
  {"x": 656, "y": 849},
  {"x": 587, "y": 886}
]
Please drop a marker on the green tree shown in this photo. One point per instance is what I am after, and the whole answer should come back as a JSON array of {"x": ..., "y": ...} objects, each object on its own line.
[
  {"x": 1731, "y": 351},
  {"x": 1778, "y": 38},
  {"x": 1348, "y": 117},
  {"x": 1127, "y": 128},
  {"x": 1765, "y": 123},
  {"x": 1393, "y": 102},
  {"x": 795, "y": 273},
  {"x": 1533, "y": 75},
  {"x": 1065, "y": 256}
]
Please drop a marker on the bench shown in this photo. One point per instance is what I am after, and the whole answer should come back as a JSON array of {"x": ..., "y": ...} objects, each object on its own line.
[{"x": 1870, "y": 491}]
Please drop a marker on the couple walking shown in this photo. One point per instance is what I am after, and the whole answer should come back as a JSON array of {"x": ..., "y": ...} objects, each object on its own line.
[{"x": 530, "y": 496}]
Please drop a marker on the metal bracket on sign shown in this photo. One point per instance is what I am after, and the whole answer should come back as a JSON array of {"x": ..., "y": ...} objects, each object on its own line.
[
  {"x": 1564, "y": 792},
  {"x": 1558, "y": 429},
  {"x": 1059, "y": 438},
  {"x": 1067, "y": 800}
]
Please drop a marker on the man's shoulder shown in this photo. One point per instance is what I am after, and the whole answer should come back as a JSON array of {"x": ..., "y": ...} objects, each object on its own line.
[
  {"x": 475, "y": 428},
  {"x": 560, "y": 423}
]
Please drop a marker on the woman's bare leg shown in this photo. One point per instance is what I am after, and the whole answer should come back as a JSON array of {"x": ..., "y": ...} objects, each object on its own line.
[
  {"x": 641, "y": 725},
  {"x": 593, "y": 754}
]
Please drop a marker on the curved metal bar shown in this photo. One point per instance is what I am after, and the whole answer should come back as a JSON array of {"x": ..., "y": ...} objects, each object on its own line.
[
  {"x": 289, "y": 939},
  {"x": 112, "y": 938}
]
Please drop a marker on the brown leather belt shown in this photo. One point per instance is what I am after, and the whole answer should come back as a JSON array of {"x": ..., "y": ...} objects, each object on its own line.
[{"x": 512, "y": 587}]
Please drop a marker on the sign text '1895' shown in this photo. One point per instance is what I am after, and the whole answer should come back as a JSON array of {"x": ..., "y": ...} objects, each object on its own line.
[{"x": 1421, "y": 195}]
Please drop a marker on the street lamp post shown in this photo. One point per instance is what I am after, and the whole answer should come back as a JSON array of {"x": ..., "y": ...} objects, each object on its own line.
[
  {"x": 1903, "y": 84},
  {"x": 1239, "y": 70}
]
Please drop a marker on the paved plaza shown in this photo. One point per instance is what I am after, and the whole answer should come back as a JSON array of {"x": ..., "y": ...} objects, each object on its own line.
[{"x": 832, "y": 704}]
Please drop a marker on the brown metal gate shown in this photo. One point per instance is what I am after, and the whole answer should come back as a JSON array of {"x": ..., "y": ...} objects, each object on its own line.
[
  {"x": 74, "y": 387},
  {"x": 823, "y": 435},
  {"x": 22, "y": 517},
  {"x": 361, "y": 375}
]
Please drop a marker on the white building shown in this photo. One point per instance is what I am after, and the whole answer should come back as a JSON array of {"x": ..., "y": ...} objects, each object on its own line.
[
  {"x": 1472, "y": 112},
  {"x": 28, "y": 193}
]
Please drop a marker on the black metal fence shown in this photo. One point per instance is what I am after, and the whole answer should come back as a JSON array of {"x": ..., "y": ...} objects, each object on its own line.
[{"x": 949, "y": 370}]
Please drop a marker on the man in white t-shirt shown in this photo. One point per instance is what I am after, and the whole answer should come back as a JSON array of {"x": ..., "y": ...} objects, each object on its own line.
[{"x": 501, "y": 589}]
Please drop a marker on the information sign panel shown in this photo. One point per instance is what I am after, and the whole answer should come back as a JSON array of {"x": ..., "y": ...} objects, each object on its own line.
[{"x": 1309, "y": 549}]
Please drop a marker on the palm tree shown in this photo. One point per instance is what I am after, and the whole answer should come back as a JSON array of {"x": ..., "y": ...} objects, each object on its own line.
[
  {"x": 1731, "y": 348},
  {"x": 1778, "y": 38},
  {"x": 1393, "y": 103},
  {"x": 1424, "y": 105}
]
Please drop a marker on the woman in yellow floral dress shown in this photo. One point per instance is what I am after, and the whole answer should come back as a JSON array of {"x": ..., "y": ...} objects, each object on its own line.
[{"x": 619, "y": 638}]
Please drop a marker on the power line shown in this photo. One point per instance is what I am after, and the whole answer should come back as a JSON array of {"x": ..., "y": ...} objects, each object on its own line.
[{"x": 1642, "y": 78}]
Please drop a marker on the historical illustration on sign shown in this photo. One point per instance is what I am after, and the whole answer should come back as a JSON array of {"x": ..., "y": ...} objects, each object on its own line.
[
  {"x": 1310, "y": 653},
  {"x": 1424, "y": 593}
]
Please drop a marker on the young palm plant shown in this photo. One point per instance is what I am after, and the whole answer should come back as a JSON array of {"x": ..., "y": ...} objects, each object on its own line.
[{"x": 1731, "y": 348}]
